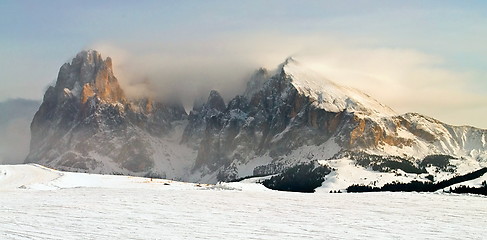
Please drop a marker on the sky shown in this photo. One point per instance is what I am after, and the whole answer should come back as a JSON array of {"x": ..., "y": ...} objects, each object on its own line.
[{"x": 415, "y": 56}]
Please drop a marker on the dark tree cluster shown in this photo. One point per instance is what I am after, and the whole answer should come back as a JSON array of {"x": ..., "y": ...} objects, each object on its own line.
[
  {"x": 246, "y": 177},
  {"x": 383, "y": 163},
  {"x": 300, "y": 178},
  {"x": 414, "y": 186},
  {"x": 438, "y": 160},
  {"x": 465, "y": 189},
  {"x": 404, "y": 165},
  {"x": 417, "y": 186}
]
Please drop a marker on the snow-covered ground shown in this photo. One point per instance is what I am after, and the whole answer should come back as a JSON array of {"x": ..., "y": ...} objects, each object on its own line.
[
  {"x": 348, "y": 173},
  {"x": 40, "y": 203}
]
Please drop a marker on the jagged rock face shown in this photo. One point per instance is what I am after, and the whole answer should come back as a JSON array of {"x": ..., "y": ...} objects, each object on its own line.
[
  {"x": 91, "y": 75},
  {"x": 86, "y": 122},
  {"x": 275, "y": 120},
  {"x": 277, "y": 115}
]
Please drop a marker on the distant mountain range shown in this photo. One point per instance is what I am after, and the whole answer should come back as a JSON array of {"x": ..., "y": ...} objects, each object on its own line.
[{"x": 284, "y": 118}]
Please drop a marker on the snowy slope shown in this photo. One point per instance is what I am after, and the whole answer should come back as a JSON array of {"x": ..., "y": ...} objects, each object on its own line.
[
  {"x": 348, "y": 173},
  {"x": 427, "y": 135},
  {"x": 330, "y": 95},
  {"x": 60, "y": 205},
  {"x": 454, "y": 140},
  {"x": 37, "y": 177}
]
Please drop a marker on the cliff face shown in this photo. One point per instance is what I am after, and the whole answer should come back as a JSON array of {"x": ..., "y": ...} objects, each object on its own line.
[
  {"x": 86, "y": 122},
  {"x": 284, "y": 118},
  {"x": 268, "y": 121},
  {"x": 295, "y": 116}
]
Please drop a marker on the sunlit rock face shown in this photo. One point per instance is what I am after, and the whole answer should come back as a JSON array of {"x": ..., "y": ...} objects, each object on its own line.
[{"x": 86, "y": 122}]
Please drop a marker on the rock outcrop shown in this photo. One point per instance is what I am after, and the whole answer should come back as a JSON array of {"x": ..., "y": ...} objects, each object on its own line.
[{"x": 87, "y": 123}]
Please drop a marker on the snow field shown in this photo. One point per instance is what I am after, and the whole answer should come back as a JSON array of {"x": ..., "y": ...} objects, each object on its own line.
[{"x": 90, "y": 206}]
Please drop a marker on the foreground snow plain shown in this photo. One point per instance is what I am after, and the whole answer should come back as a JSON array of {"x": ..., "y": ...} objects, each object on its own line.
[{"x": 41, "y": 203}]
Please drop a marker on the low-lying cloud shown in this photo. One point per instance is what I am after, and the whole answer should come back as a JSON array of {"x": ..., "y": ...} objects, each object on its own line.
[
  {"x": 15, "y": 122},
  {"x": 408, "y": 80}
]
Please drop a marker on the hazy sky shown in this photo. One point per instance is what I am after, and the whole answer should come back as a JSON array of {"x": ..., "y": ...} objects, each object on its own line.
[{"x": 415, "y": 56}]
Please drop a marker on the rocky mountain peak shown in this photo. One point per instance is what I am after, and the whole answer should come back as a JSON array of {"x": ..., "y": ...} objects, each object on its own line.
[
  {"x": 289, "y": 60},
  {"x": 89, "y": 76},
  {"x": 85, "y": 122},
  {"x": 329, "y": 95},
  {"x": 215, "y": 101},
  {"x": 256, "y": 82}
]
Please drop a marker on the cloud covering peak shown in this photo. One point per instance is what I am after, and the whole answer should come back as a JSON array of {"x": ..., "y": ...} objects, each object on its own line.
[{"x": 408, "y": 80}]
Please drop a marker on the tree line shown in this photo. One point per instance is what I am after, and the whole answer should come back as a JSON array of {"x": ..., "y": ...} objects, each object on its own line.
[{"x": 417, "y": 186}]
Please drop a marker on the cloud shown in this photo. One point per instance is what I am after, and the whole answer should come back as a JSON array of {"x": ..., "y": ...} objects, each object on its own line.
[
  {"x": 408, "y": 80},
  {"x": 186, "y": 71},
  {"x": 14, "y": 143}
]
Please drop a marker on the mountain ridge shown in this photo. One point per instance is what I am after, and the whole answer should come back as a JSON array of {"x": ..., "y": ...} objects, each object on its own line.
[{"x": 280, "y": 120}]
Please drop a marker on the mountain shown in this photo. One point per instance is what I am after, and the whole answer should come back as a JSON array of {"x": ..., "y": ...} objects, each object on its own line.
[
  {"x": 15, "y": 118},
  {"x": 284, "y": 118},
  {"x": 86, "y": 123},
  {"x": 298, "y": 116}
]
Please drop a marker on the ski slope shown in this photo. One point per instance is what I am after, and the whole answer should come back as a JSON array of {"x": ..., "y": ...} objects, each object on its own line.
[{"x": 41, "y": 203}]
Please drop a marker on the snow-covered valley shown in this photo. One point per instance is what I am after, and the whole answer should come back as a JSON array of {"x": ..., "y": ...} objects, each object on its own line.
[{"x": 40, "y": 203}]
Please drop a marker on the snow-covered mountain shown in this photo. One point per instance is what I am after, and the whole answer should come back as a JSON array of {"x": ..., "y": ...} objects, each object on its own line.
[
  {"x": 284, "y": 118},
  {"x": 299, "y": 116}
]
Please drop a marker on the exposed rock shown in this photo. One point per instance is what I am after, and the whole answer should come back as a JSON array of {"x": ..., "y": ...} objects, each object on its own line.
[
  {"x": 279, "y": 114},
  {"x": 86, "y": 122}
]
